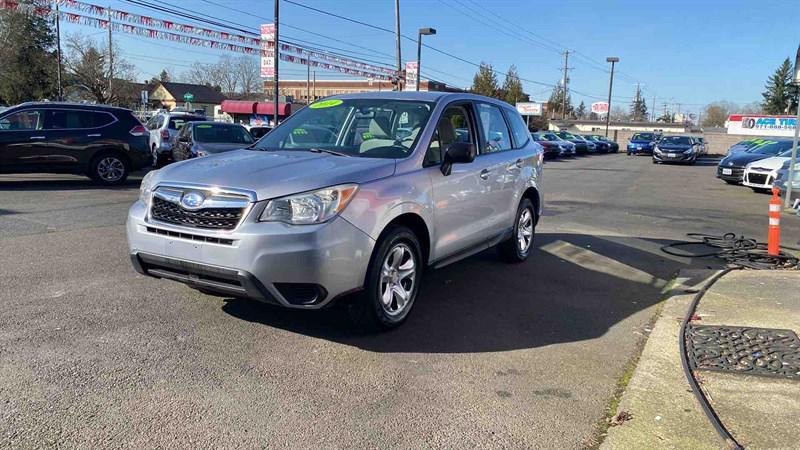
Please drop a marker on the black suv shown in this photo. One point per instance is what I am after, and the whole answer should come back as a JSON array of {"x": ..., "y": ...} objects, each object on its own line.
[{"x": 103, "y": 142}]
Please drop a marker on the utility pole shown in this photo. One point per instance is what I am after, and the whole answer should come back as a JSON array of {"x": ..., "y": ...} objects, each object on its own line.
[
  {"x": 308, "y": 79},
  {"x": 314, "y": 81},
  {"x": 58, "y": 55},
  {"x": 276, "y": 57},
  {"x": 654, "y": 108},
  {"x": 110, "y": 58},
  {"x": 613, "y": 60},
  {"x": 793, "y": 160},
  {"x": 397, "y": 35},
  {"x": 636, "y": 102},
  {"x": 566, "y": 83}
]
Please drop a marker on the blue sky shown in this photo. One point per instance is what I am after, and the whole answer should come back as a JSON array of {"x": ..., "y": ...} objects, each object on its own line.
[{"x": 688, "y": 52}]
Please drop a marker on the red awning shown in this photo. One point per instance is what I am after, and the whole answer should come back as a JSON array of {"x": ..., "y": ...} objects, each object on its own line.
[
  {"x": 238, "y": 107},
  {"x": 268, "y": 108}
]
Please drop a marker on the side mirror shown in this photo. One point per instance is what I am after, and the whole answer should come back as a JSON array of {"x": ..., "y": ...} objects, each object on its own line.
[{"x": 457, "y": 153}]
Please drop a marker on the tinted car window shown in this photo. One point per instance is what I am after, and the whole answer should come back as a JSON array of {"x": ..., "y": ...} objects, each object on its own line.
[
  {"x": 176, "y": 123},
  {"x": 221, "y": 134},
  {"x": 75, "y": 119},
  {"x": 495, "y": 130},
  {"x": 23, "y": 120},
  {"x": 518, "y": 128},
  {"x": 772, "y": 148}
]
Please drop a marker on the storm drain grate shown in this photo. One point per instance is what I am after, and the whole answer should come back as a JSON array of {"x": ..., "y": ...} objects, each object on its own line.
[{"x": 753, "y": 351}]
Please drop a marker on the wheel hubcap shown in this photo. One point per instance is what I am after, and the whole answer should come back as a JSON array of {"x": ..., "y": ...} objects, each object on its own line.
[
  {"x": 110, "y": 168},
  {"x": 525, "y": 230},
  {"x": 398, "y": 275}
]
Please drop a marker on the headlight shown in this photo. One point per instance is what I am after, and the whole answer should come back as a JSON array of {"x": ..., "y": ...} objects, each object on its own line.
[
  {"x": 145, "y": 189},
  {"x": 687, "y": 151},
  {"x": 656, "y": 149},
  {"x": 310, "y": 207}
]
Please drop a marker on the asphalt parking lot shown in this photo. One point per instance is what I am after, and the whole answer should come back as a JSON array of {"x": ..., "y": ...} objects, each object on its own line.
[{"x": 92, "y": 354}]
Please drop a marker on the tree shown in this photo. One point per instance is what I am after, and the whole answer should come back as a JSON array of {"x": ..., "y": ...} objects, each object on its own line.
[
  {"x": 228, "y": 75},
  {"x": 88, "y": 72},
  {"x": 512, "y": 87},
  {"x": 619, "y": 113},
  {"x": 581, "y": 111},
  {"x": 485, "y": 81},
  {"x": 556, "y": 102},
  {"x": 666, "y": 117},
  {"x": 248, "y": 73},
  {"x": 28, "y": 59},
  {"x": 639, "y": 106},
  {"x": 716, "y": 114},
  {"x": 780, "y": 95}
]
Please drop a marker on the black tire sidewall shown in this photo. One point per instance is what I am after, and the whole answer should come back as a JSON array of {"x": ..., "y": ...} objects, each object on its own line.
[{"x": 372, "y": 293}]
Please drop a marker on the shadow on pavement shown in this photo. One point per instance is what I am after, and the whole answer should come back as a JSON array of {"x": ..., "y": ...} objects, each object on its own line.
[
  {"x": 55, "y": 183},
  {"x": 574, "y": 287}
]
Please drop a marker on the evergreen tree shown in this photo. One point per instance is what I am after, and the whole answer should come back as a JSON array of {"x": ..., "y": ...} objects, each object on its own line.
[
  {"x": 27, "y": 60},
  {"x": 485, "y": 81},
  {"x": 512, "y": 87},
  {"x": 639, "y": 107},
  {"x": 581, "y": 111},
  {"x": 164, "y": 76},
  {"x": 780, "y": 95},
  {"x": 556, "y": 102}
]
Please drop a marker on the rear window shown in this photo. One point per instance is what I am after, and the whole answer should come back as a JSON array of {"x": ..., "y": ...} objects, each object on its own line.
[
  {"x": 176, "y": 123},
  {"x": 643, "y": 137},
  {"x": 221, "y": 134}
]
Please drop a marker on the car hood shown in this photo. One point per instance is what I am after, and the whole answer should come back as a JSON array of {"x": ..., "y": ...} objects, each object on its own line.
[
  {"x": 272, "y": 174},
  {"x": 773, "y": 163},
  {"x": 218, "y": 147},
  {"x": 741, "y": 159}
]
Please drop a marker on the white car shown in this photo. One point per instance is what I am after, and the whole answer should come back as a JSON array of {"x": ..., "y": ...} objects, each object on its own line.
[
  {"x": 759, "y": 175},
  {"x": 163, "y": 127}
]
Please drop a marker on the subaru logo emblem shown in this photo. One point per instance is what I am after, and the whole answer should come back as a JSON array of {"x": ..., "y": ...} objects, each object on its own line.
[
  {"x": 730, "y": 163},
  {"x": 193, "y": 200}
]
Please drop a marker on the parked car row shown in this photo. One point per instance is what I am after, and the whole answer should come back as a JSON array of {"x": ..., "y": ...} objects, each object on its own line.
[
  {"x": 667, "y": 149},
  {"x": 563, "y": 143},
  {"x": 756, "y": 163}
]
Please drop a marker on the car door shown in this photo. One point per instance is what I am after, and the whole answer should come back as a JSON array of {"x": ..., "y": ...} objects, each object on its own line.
[
  {"x": 462, "y": 212},
  {"x": 20, "y": 132},
  {"x": 73, "y": 137}
]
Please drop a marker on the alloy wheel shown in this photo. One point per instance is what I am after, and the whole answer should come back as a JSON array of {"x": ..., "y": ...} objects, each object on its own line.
[
  {"x": 397, "y": 280},
  {"x": 110, "y": 169},
  {"x": 525, "y": 230}
]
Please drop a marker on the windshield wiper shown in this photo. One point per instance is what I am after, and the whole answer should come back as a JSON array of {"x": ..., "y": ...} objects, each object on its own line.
[{"x": 331, "y": 152}]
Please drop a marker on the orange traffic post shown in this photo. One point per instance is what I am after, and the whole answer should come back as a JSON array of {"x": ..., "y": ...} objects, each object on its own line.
[{"x": 774, "y": 237}]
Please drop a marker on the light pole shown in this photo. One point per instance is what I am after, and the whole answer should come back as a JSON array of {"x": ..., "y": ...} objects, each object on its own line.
[
  {"x": 422, "y": 32},
  {"x": 790, "y": 180},
  {"x": 613, "y": 60}
]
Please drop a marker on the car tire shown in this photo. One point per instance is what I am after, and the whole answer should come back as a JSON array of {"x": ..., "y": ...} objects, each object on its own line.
[
  {"x": 157, "y": 160},
  {"x": 731, "y": 182},
  {"x": 109, "y": 168},
  {"x": 517, "y": 248},
  {"x": 655, "y": 162},
  {"x": 392, "y": 282}
]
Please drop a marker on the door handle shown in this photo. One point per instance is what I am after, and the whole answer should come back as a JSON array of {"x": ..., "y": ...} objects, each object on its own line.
[
  {"x": 94, "y": 135},
  {"x": 37, "y": 137},
  {"x": 484, "y": 174}
]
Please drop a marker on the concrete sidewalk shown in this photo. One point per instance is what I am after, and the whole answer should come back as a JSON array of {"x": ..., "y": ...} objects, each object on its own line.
[{"x": 760, "y": 412}]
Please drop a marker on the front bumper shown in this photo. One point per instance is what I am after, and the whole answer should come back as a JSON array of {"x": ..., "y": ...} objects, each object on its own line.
[
  {"x": 758, "y": 179},
  {"x": 678, "y": 157},
  {"x": 736, "y": 173},
  {"x": 640, "y": 149},
  {"x": 289, "y": 265}
]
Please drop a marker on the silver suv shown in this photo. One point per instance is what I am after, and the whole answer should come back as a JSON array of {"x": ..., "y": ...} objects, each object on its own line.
[
  {"x": 163, "y": 127},
  {"x": 351, "y": 196}
]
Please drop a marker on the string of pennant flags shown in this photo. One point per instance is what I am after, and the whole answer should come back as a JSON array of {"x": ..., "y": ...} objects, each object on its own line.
[{"x": 165, "y": 30}]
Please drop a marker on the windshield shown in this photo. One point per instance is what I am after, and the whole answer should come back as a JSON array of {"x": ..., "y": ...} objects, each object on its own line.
[
  {"x": 221, "y": 134},
  {"x": 369, "y": 128},
  {"x": 643, "y": 137},
  {"x": 771, "y": 148},
  {"x": 550, "y": 137},
  {"x": 565, "y": 135},
  {"x": 675, "y": 140}
]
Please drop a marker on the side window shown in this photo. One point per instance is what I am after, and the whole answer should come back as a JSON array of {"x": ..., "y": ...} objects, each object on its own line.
[
  {"x": 23, "y": 120},
  {"x": 495, "y": 130},
  {"x": 186, "y": 131},
  {"x": 99, "y": 119},
  {"x": 519, "y": 130},
  {"x": 59, "y": 119},
  {"x": 453, "y": 127}
]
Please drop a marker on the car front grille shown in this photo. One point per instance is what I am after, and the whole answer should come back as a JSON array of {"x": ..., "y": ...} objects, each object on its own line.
[
  {"x": 757, "y": 178},
  {"x": 217, "y": 211}
]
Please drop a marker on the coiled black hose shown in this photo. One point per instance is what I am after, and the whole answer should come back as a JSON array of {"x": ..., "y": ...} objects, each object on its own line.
[{"x": 736, "y": 251}]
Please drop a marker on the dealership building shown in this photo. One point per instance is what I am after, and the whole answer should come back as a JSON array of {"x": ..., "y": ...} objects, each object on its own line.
[{"x": 761, "y": 125}]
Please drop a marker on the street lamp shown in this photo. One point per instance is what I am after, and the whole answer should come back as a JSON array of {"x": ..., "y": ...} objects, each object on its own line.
[
  {"x": 796, "y": 82},
  {"x": 613, "y": 60},
  {"x": 422, "y": 32}
]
